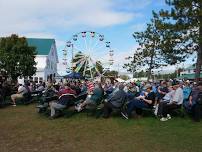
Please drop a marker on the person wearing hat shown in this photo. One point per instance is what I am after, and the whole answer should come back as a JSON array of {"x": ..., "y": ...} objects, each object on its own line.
[{"x": 140, "y": 102}]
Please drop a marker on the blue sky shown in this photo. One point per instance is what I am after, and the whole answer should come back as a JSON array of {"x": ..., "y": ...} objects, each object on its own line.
[{"x": 60, "y": 19}]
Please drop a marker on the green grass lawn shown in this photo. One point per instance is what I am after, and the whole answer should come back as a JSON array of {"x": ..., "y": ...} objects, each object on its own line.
[{"x": 22, "y": 129}]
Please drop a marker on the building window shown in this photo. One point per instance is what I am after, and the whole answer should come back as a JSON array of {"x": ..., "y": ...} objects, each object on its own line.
[
  {"x": 48, "y": 64},
  {"x": 30, "y": 79},
  {"x": 36, "y": 79},
  {"x": 40, "y": 79}
]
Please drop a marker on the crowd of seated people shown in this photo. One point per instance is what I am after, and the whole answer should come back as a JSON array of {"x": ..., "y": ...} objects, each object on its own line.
[{"x": 160, "y": 97}]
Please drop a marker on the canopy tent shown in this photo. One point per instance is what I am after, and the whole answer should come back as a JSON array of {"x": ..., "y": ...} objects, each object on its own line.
[
  {"x": 120, "y": 80},
  {"x": 74, "y": 75},
  {"x": 132, "y": 80}
]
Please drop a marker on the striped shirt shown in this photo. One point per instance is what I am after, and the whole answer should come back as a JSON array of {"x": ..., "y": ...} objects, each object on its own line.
[{"x": 90, "y": 86}]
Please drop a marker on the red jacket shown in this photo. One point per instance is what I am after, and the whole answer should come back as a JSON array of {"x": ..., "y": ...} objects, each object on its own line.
[{"x": 66, "y": 91}]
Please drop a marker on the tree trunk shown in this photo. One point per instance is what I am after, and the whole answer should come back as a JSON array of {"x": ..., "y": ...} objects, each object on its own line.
[
  {"x": 150, "y": 68},
  {"x": 198, "y": 63},
  {"x": 151, "y": 64},
  {"x": 199, "y": 52}
]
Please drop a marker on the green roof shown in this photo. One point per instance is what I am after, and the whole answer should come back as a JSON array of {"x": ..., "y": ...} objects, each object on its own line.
[
  {"x": 189, "y": 76},
  {"x": 43, "y": 46}
]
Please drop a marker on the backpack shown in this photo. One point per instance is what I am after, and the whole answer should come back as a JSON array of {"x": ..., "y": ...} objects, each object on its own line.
[{"x": 199, "y": 98}]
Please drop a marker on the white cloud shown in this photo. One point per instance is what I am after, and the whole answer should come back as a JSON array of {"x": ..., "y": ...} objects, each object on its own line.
[
  {"x": 120, "y": 58},
  {"x": 138, "y": 27},
  {"x": 38, "y": 35},
  {"x": 23, "y": 16},
  {"x": 133, "y": 4}
]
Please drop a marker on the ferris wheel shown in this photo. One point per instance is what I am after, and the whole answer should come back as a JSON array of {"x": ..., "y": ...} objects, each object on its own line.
[{"x": 86, "y": 51}]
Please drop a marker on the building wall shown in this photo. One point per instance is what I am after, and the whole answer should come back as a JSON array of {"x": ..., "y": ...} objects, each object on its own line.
[
  {"x": 51, "y": 63},
  {"x": 188, "y": 71},
  {"x": 46, "y": 66},
  {"x": 41, "y": 61}
]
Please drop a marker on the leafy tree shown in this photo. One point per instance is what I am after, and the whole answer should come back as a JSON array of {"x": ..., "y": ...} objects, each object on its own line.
[
  {"x": 181, "y": 29},
  {"x": 16, "y": 57},
  {"x": 133, "y": 65},
  {"x": 111, "y": 73},
  {"x": 166, "y": 76},
  {"x": 124, "y": 77},
  {"x": 141, "y": 74}
]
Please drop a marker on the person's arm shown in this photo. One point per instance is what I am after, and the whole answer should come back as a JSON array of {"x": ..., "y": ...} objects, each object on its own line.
[
  {"x": 163, "y": 92},
  {"x": 190, "y": 100},
  {"x": 159, "y": 91},
  {"x": 20, "y": 90},
  {"x": 147, "y": 100}
]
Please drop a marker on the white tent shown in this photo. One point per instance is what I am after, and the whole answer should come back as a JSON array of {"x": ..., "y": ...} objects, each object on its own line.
[
  {"x": 132, "y": 80},
  {"x": 120, "y": 80}
]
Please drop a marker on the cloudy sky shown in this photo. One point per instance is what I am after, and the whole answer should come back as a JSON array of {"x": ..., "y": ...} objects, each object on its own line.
[{"x": 60, "y": 19}]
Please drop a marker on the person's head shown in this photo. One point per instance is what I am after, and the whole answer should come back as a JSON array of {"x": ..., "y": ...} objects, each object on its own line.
[
  {"x": 27, "y": 83},
  {"x": 176, "y": 85},
  {"x": 66, "y": 85},
  {"x": 121, "y": 86},
  {"x": 164, "y": 83},
  {"x": 186, "y": 83},
  {"x": 100, "y": 85},
  {"x": 148, "y": 88},
  {"x": 49, "y": 85},
  {"x": 170, "y": 88},
  {"x": 200, "y": 85},
  {"x": 96, "y": 85}
]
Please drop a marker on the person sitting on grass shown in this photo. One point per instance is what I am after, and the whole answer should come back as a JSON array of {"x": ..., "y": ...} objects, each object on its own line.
[
  {"x": 140, "y": 102},
  {"x": 93, "y": 98},
  {"x": 175, "y": 103},
  {"x": 19, "y": 95},
  {"x": 116, "y": 101},
  {"x": 62, "y": 102}
]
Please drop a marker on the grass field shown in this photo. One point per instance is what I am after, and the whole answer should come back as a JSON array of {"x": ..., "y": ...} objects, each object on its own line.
[{"x": 23, "y": 130}]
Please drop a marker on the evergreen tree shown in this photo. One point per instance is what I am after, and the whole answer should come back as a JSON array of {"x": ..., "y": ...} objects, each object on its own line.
[
  {"x": 148, "y": 55},
  {"x": 181, "y": 29}
]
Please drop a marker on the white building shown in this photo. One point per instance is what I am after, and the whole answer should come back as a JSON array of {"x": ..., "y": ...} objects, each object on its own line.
[
  {"x": 189, "y": 73},
  {"x": 46, "y": 59}
]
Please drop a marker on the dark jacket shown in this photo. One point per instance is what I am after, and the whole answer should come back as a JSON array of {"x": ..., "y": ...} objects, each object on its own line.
[{"x": 118, "y": 99}]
